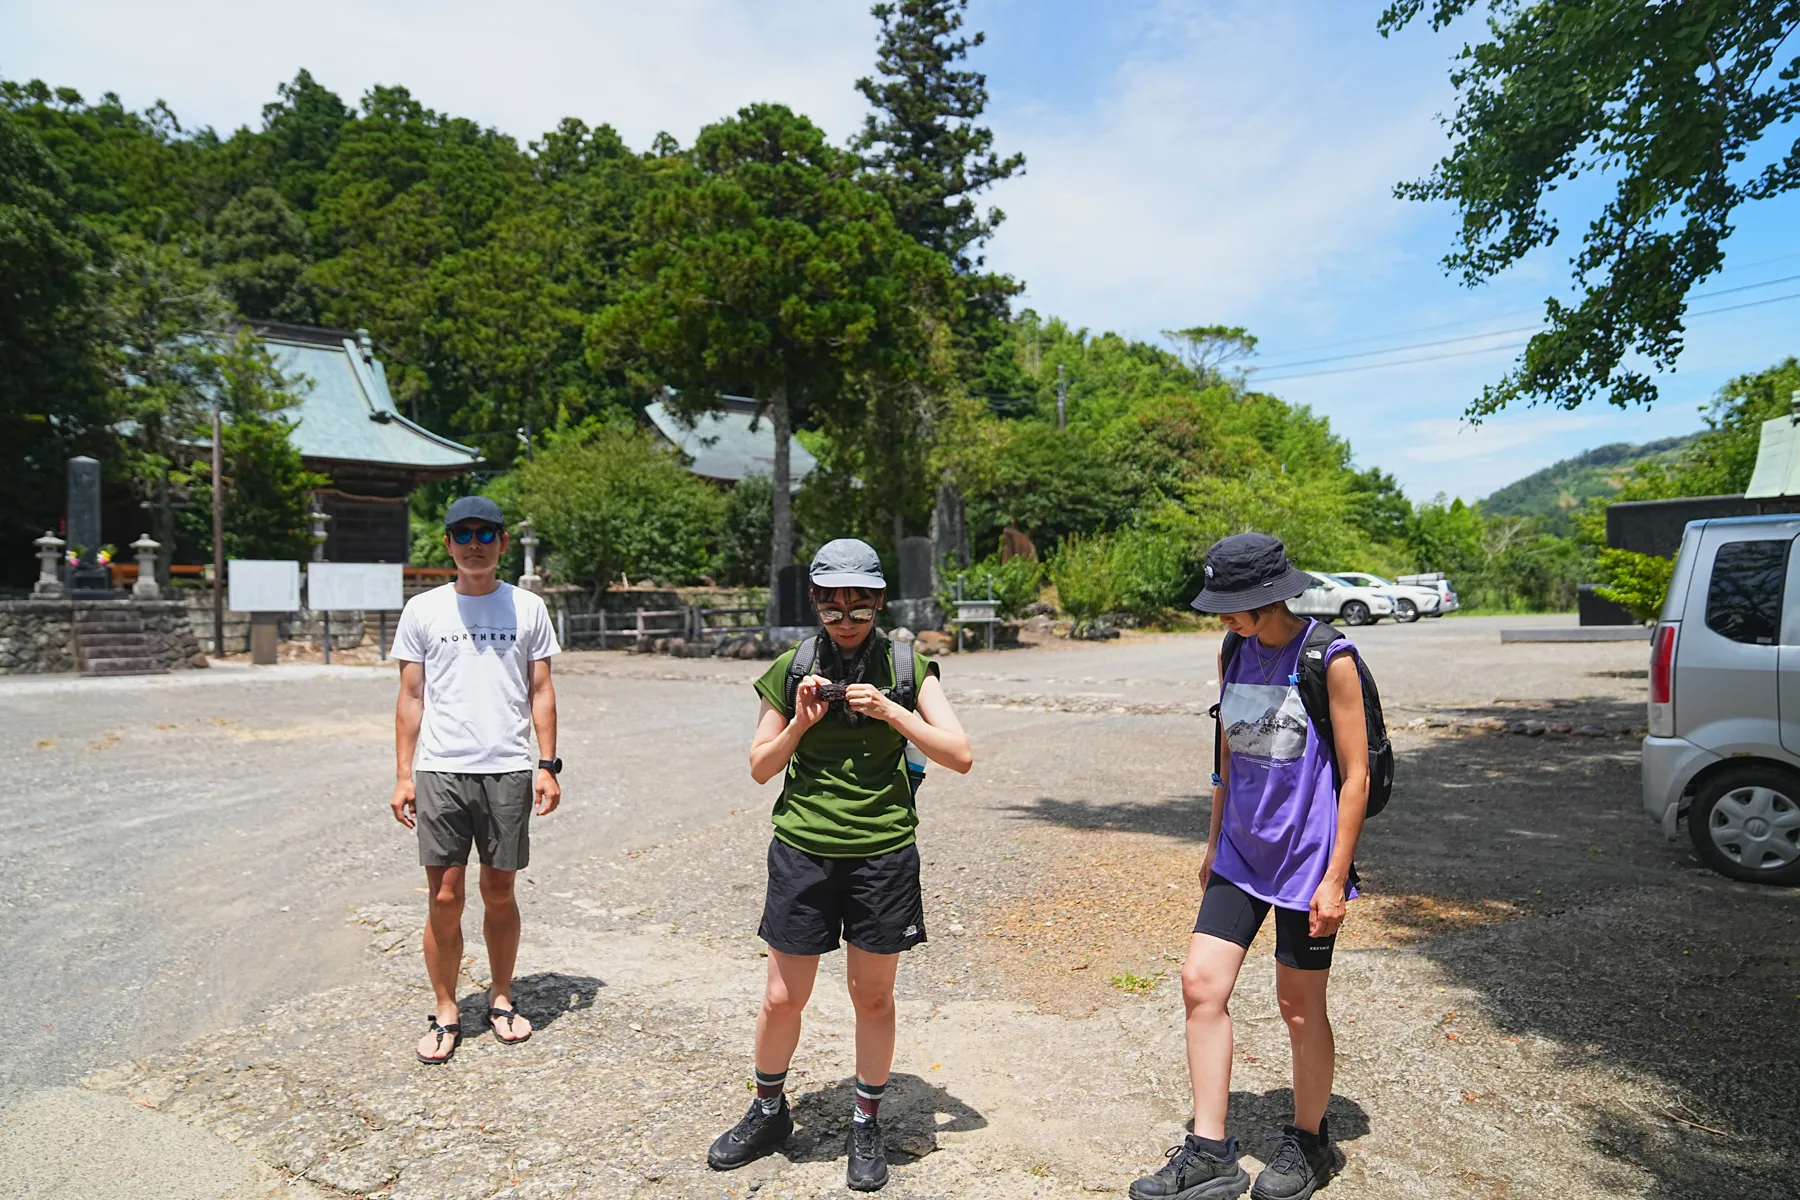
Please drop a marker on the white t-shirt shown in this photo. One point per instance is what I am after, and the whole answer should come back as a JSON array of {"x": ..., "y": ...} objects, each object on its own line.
[{"x": 477, "y": 652}]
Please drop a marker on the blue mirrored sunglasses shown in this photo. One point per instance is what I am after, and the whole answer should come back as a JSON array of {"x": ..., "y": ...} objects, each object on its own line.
[{"x": 485, "y": 534}]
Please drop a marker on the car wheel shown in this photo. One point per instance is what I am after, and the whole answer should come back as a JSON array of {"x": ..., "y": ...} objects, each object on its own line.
[
  {"x": 1405, "y": 611},
  {"x": 1745, "y": 824},
  {"x": 1356, "y": 613}
]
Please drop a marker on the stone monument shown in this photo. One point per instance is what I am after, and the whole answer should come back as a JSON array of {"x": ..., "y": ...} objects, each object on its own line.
[
  {"x": 83, "y": 534},
  {"x": 913, "y": 604}
]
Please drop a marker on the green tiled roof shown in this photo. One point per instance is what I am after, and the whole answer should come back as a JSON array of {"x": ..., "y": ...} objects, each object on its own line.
[
  {"x": 723, "y": 445},
  {"x": 347, "y": 413}
]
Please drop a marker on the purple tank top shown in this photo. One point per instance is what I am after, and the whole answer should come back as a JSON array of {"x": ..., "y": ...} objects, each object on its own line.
[{"x": 1280, "y": 805}]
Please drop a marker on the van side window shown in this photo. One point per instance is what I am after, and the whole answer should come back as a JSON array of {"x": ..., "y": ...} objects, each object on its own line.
[{"x": 1743, "y": 601}]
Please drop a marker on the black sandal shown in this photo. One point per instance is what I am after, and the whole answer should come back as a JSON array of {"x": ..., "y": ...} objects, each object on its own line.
[
  {"x": 509, "y": 1014},
  {"x": 454, "y": 1029}
]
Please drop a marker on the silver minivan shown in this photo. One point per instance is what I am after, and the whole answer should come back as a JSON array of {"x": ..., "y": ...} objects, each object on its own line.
[{"x": 1724, "y": 743}]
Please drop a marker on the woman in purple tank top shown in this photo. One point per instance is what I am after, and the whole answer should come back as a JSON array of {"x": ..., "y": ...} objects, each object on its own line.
[{"x": 1284, "y": 831}]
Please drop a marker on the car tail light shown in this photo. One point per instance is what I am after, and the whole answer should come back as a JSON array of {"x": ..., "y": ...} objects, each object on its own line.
[{"x": 1662, "y": 680}]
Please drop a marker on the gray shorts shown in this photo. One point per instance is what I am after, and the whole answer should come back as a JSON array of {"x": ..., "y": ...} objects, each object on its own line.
[{"x": 492, "y": 811}]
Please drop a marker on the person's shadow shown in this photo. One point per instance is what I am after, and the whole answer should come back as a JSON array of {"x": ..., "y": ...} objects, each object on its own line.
[
  {"x": 543, "y": 998},
  {"x": 1255, "y": 1119},
  {"x": 911, "y": 1119}
]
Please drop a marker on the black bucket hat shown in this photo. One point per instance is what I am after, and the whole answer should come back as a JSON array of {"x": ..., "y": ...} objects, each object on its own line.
[{"x": 1246, "y": 571}]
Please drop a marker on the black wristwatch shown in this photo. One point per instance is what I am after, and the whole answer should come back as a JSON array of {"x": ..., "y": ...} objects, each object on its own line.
[{"x": 552, "y": 765}]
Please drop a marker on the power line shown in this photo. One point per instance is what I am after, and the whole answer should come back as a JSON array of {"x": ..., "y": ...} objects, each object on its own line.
[
  {"x": 1470, "y": 337},
  {"x": 1507, "y": 346},
  {"x": 1517, "y": 312}
]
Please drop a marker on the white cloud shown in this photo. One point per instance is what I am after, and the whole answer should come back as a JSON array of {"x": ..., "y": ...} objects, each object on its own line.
[
  {"x": 674, "y": 65},
  {"x": 1234, "y": 164},
  {"x": 1448, "y": 439}
]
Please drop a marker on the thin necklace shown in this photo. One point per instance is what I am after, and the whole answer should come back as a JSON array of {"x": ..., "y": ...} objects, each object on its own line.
[{"x": 1267, "y": 665}]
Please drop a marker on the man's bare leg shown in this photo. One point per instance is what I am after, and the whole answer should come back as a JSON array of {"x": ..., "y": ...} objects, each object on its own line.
[
  {"x": 443, "y": 949},
  {"x": 500, "y": 931}
]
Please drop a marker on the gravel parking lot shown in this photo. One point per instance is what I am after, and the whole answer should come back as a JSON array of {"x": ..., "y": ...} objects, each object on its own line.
[{"x": 213, "y": 926}]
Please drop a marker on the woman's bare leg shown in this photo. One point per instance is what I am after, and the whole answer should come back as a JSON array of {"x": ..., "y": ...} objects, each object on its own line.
[
  {"x": 1301, "y": 995},
  {"x": 1207, "y": 977},
  {"x": 871, "y": 981},
  {"x": 789, "y": 987}
]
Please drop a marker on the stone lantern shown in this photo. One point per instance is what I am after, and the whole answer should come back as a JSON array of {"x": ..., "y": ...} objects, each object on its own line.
[
  {"x": 531, "y": 581},
  {"x": 145, "y": 588},
  {"x": 49, "y": 551},
  {"x": 318, "y": 516}
]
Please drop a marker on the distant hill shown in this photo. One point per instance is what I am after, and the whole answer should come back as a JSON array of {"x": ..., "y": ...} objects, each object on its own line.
[{"x": 1552, "y": 493}]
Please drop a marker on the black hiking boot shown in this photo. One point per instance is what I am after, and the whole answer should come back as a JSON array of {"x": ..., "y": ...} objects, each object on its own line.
[
  {"x": 1304, "y": 1164},
  {"x": 868, "y": 1169},
  {"x": 1194, "y": 1174},
  {"x": 751, "y": 1138}
]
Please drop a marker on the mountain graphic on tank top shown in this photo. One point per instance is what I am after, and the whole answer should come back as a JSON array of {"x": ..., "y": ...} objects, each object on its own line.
[{"x": 1265, "y": 721}]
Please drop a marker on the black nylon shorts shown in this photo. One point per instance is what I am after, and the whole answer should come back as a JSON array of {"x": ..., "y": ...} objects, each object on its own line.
[
  {"x": 1227, "y": 911},
  {"x": 873, "y": 903}
]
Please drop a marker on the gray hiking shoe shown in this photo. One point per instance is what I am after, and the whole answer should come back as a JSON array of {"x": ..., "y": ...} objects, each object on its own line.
[
  {"x": 1304, "y": 1164},
  {"x": 1193, "y": 1174}
]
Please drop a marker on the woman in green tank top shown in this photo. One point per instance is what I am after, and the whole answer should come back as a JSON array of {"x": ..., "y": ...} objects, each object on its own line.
[{"x": 843, "y": 863}]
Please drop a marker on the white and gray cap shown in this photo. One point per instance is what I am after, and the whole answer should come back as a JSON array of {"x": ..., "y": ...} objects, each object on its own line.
[{"x": 847, "y": 563}]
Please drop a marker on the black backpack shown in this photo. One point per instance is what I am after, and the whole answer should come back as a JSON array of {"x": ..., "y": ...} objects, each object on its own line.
[
  {"x": 1316, "y": 700},
  {"x": 806, "y": 656},
  {"x": 905, "y": 691}
]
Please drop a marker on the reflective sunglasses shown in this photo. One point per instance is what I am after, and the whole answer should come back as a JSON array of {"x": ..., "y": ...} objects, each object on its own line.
[
  {"x": 858, "y": 616},
  {"x": 462, "y": 535}
]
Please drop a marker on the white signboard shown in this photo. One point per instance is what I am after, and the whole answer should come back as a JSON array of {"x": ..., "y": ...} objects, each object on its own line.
[
  {"x": 1777, "y": 470},
  {"x": 263, "y": 585},
  {"x": 364, "y": 587}
]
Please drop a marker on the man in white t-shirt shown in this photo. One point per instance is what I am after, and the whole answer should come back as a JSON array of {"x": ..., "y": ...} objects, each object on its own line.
[{"x": 474, "y": 679}]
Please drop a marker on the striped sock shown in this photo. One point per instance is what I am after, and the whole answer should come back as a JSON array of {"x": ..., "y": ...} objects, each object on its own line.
[
  {"x": 768, "y": 1090},
  {"x": 868, "y": 1101}
]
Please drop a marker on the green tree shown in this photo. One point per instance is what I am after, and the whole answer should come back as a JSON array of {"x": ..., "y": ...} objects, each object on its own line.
[
  {"x": 52, "y": 386},
  {"x": 765, "y": 269},
  {"x": 608, "y": 500},
  {"x": 167, "y": 322},
  {"x": 1207, "y": 348},
  {"x": 1666, "y": 103},
  {"x": 924, "y": 146},
  {"x": 267, "y": 490},
  {"x": 259, "y": 249},
  {"x": 745, "y": 534}
]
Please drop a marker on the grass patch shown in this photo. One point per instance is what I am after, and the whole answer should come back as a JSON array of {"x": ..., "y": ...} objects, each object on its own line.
[{"x": 1135, "y": 985}]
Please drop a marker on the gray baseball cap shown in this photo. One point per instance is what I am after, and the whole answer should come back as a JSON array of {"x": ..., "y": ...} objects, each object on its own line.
[
  {"x": 474, "y": 508},
  {"x": 847, "y": 563}
]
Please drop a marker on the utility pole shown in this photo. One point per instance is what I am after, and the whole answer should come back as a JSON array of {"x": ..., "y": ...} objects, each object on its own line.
[
  {"x": 1062, "y": 397},
  {"x": 218, "y": 516}
]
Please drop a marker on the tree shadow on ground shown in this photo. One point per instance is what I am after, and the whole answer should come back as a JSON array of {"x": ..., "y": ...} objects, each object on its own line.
[
  {"x": 543, "y": 998},
  {"x": 1629, "y": 954},
  {"x": 913, "y": 1113}
]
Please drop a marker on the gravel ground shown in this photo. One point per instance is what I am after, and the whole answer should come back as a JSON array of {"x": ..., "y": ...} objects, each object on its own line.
[{"x": 1539, "y": 996}]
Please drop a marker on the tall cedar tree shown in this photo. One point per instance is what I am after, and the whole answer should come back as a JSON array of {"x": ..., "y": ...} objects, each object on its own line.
[
  {"x": 767, "y": 269},
  {"x": 923, "y": 146},
  {"x": 925, "y": 151},
  {"x": 1665, "y": 103}
]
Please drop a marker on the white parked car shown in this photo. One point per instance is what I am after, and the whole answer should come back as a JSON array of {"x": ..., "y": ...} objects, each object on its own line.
[
  {"x": 1333, "y": 599},
  {"x": 1447, "y": 600},
  {"x": 1411, "y": 600}
]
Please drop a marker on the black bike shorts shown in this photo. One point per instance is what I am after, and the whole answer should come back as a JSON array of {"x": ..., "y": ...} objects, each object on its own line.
[
  {"x": 873, "y": 903},
  {"x": 1227, "y": 911}
]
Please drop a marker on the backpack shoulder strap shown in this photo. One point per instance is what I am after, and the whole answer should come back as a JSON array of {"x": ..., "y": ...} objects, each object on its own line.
[
  {"x": 906, "y": 686},
  {"x": 1228, "y": 652},
  {"x": 806, "y": 656},
  {"x": 1314, "y": 655}
]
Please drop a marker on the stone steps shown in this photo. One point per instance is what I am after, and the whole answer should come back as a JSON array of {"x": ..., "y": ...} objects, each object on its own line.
[{"x": 113, "y": 641}]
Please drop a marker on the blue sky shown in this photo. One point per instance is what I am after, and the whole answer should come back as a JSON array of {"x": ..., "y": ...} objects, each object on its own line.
[{"x": 1188, "y": 163}]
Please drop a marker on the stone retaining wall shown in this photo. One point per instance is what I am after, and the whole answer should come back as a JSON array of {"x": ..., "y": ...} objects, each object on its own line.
[
  {"x": 37, "y": 637},
  {"x": 347, "y": 628}
]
